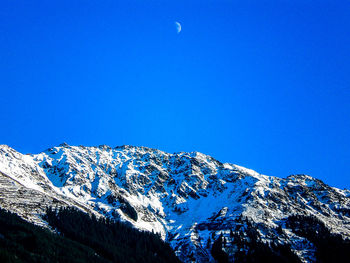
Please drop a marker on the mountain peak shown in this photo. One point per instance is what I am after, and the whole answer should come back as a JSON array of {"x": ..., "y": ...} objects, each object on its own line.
[
  {"x": 63, "y": 144},
  {"x": 4, "y": 146},
  {"x": 189, "y": 198}
]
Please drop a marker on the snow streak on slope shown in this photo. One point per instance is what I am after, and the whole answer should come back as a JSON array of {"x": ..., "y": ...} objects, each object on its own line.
[
  {"x": 25, "y": 189},
  {"x": 186, "y": 197}
]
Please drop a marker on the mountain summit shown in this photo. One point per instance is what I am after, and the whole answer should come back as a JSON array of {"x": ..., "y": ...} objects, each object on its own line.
[{"x": 190, "y": 199}]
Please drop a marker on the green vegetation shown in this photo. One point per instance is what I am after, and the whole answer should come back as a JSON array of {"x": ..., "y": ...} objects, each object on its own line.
[
  {"x": 113, "y": 240},
  {"x": 329, "y": 247},
  {"x": 21, "y": 241},
  {"x": 85, "y": 238},
  {"x": 250, "y": 248},
  {"x": 82, "y": 238},
  {"x": 216, "y": 250}
]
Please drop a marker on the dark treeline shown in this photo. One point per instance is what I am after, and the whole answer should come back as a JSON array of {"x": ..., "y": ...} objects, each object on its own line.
[
  {"x": 21, "y": 241},
  {"x": 113, "y": 240},
  {"x": 329, "y": 247},
  {"x": 252, "y": 249},
  {"x": 249, "y": 247},
  {"x": 82, "y": 238}
]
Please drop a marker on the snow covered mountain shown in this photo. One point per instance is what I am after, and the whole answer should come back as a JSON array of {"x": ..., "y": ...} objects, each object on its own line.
[{"x": 189, "y": 198}]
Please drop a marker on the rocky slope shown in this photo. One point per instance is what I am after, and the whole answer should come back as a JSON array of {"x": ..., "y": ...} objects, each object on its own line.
[{"x": 189, "y": 198}]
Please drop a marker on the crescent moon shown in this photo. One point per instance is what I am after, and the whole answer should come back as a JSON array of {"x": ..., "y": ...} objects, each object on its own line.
[{"x": 178, "y": 27}]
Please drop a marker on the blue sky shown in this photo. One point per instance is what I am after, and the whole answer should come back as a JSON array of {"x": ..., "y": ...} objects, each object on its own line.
[{"x": 263, "y": 84}]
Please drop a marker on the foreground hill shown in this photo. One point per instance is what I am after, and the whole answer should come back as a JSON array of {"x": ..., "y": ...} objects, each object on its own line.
[
  {"x": 82, "y": 238},
  {"x": 205, "y": 209}
]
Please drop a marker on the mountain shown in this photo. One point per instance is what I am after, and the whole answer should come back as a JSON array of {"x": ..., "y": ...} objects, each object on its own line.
[{"x": 192, "y": 200}]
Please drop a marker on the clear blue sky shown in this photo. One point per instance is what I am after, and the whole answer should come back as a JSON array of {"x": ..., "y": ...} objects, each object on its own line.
[{"x": 263, "y": 84}]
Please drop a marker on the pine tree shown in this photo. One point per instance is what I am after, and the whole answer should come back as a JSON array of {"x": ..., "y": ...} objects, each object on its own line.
[{"x": 208, "y": 243}]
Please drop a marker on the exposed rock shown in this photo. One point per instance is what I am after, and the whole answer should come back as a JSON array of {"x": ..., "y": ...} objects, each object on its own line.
[{"x": 189, "y": 198}]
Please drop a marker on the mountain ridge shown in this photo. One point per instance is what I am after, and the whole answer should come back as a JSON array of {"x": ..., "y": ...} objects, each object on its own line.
[{"x": 189, "y": 198}]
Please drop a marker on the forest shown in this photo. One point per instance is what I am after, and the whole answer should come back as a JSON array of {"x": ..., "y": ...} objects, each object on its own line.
[
  {"x": 249, "y": 248},
  {"x": 78, "y": 237},
  {"x": 81, "y": 238}
]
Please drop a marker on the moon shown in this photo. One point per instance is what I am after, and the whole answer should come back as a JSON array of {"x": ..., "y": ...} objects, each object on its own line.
[{"x": 178, "y": 27}]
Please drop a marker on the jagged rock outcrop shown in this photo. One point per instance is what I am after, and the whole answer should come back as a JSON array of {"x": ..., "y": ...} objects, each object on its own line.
[{"x": 189, "y": 198}]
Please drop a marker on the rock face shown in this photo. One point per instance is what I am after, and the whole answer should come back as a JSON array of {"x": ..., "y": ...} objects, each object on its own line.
[{"x": 189, "y": 198}]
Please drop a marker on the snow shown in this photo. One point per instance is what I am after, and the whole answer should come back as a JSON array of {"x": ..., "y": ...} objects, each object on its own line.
[{"x": 188, "y": 195}]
